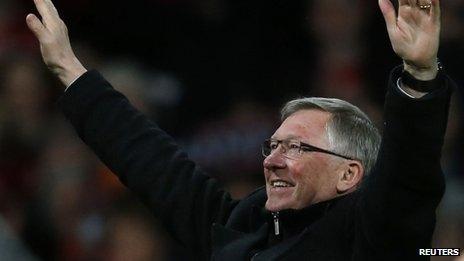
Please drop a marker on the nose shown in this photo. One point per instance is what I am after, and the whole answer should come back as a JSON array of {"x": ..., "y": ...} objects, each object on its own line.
[{"x": 274, "y": 161}]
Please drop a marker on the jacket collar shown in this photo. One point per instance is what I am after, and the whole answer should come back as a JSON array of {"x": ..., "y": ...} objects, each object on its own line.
[
  {"x": 230, "y": 244},
  {"x": 292, "y": 221}
]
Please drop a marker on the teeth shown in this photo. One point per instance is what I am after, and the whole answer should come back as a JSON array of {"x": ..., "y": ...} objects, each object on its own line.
[{"x": 280, "y": 183}]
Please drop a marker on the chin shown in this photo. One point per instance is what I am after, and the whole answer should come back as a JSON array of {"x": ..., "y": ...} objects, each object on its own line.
[{"x": 277, "y": 205}]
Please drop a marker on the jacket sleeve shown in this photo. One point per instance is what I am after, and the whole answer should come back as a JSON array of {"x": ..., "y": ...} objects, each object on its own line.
[
  {"x": 399, "y": 198},
  {"x": 147, "y": 161}
]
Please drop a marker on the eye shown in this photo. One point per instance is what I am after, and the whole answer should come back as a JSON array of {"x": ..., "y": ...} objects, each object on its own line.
[
  {"x": 293, "y": 145},
  {"x": 273, "y": 145}
]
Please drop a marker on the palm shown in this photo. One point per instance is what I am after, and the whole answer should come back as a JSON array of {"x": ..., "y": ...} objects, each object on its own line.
[{"x": 414, "y": 34}]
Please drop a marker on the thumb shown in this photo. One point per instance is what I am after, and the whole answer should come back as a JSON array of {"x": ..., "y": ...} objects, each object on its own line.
[
  {"x": 389, "y": 13},
  {"x": 35, "y": 25},
  {"x": 436, "y": 10}
]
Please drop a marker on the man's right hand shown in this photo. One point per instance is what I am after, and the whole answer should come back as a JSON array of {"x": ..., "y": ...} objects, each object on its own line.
[{"x": 55, "y": 46}]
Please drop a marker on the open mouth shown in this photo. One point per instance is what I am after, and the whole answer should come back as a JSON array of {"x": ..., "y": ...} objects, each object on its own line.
[{"x": 279, "y": 183}]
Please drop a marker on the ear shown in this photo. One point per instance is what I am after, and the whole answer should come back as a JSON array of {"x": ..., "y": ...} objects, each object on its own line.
[{"x": 350, "y": 176}]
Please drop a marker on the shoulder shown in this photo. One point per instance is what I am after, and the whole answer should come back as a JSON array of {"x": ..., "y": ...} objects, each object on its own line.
[
  {"x": 248, "y": 207},
  {"x": 257, "y": 198}
]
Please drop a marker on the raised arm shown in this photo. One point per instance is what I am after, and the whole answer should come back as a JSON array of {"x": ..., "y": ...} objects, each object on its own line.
[
  {"x": 401, "y": 196},
  {"x": 146, "y": 159}
]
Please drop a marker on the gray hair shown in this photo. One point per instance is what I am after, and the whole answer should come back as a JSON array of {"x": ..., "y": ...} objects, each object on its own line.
[{"x": 349, "y": 131}]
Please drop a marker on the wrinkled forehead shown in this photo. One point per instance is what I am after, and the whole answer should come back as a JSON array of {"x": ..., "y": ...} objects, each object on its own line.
[{"x": 305, "y": 125}]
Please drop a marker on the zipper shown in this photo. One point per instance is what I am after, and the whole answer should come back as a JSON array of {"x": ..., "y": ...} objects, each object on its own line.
[
  {"x": 255, "y": 255},
  {"x": 275, "y": 215}
]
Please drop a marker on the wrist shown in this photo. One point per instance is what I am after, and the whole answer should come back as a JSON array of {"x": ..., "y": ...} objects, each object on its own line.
[
  {"x": 68, "y": 74},
  {"x": 422, "y": 73},
  {"x": 418, "y": 82}
]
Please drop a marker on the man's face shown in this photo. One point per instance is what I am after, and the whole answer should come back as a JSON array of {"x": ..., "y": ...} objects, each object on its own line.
[{"x": 309, "y": 179}]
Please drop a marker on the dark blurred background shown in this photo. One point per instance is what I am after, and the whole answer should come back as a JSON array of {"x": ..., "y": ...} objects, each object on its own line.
[{"x": 213, "y": 73}]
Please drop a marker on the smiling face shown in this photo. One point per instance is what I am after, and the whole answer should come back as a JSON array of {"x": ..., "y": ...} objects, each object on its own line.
[{"x": 298, "y": 183}]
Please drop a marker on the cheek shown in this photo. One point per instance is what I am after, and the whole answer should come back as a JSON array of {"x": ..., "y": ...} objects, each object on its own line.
[
  {"x": 310, "y": 173},
  {"x": 304, "y": 177}
]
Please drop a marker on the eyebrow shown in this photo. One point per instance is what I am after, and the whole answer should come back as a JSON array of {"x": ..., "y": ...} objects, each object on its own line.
[{"x": 289, "y": 137}]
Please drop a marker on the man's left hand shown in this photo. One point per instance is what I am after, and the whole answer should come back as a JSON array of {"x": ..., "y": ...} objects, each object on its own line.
[{"x": 414, "y": 34}]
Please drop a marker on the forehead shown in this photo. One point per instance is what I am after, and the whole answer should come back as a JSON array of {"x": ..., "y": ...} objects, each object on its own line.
[{"x": 306, "y": 125}]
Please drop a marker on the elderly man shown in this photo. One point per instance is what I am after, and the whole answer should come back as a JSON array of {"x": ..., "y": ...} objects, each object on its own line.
[{"x": 326, "y": 197}]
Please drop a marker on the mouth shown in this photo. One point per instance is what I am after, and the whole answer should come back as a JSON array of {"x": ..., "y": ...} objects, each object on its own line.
[{"x": 280, "y": 183}]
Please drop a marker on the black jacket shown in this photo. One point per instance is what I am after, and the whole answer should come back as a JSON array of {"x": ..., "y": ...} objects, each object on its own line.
[{"x": 391, "y": 216}]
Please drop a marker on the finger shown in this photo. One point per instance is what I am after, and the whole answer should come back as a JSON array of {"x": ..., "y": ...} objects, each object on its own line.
[
  {"x": 44, "y": 10},
  {"x": 51, "y": 6},
  {"x": 423, "y": 2},
  {"x": 435, "y": 11},
  {"x": 403, "y": 2},
  {"x": 35, "y": 26},
  {"x": 424, "y": 5},
  {"x": 389, "y": 14}
]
